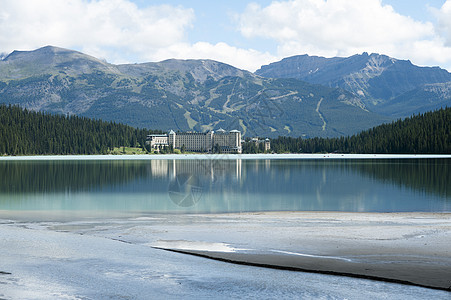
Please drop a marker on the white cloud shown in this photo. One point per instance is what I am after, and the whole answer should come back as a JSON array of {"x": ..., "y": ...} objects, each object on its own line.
[
  {"x": 444, "y": 22},
  {"x": 112, "y": 28},
  {"x": 119, "y": 31},
  {"x": 247, "y": 59},
  {"x": 115, "y": 30},
  {"x": 346, "y": 27}
]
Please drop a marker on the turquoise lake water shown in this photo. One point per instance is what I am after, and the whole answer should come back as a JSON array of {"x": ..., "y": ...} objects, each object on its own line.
[{"x": 222, "y": 186}]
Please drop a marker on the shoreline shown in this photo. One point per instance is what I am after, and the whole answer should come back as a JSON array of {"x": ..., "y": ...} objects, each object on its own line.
[
  {"x": 411, "y": 248},
  {"x": 347, "y": 244},
  {"x": 225, "y": 156},
  {"x": 319, "y": 266},
  {"x": 80, "y": 215}
]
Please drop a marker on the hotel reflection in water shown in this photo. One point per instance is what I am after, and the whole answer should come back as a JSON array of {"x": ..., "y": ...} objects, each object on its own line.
[{"x": 208, "y": 169}]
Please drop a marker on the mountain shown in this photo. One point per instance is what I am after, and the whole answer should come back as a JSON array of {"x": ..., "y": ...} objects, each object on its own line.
[
  {"x": 50, "y": 60},
  {"x": 377, "y": 80},
  {"x": 426, "y": 133},
  {"x": 196, "y": 95},
  {"x": 425, "y": 98}
]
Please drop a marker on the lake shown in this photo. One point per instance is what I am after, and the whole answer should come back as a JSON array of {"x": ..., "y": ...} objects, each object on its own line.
[{"x": 215, "y": 185}]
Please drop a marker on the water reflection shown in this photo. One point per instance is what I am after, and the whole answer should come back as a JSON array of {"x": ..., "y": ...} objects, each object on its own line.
[
  {"x": 190, "y": 180},
  {"x": 215, "y": 185}
]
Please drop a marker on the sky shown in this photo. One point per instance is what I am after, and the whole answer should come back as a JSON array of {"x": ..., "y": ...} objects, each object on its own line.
[{"x": 245, "y": 34}]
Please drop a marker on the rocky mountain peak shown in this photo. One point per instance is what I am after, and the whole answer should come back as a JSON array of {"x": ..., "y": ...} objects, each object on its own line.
[
  {"x": 373, "y": 77},
  {"x": 203, "y": 68},
  {"x": 50, "y": 60}
]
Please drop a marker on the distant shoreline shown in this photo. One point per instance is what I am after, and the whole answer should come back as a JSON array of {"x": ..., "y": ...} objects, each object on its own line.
[{"x": 224, "y": 156}]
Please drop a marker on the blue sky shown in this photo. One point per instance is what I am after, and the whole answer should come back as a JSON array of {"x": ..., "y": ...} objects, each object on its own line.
[
  {"x": 214, "y": 19},
  {"x": 246, "y": 34}
]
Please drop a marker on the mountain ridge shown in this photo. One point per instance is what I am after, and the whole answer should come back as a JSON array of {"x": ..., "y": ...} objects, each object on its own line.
[
  {"x": 193, "y": 94},
  {"x": 376, "y": 79},
  {"x": 50, "y": 59}
]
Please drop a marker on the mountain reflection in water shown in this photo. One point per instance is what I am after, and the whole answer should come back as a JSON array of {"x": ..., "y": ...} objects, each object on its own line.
[{"x": 215, "y": 185}]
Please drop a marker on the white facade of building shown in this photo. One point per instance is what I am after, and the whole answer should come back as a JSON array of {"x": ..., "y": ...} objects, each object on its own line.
[
  {"x": 193, "y": 141},
  {"x": 227, "y": 142},
  {"x": 267, "y": 143},
  {"x": 157, "y": 141},
  {"x": 221, "y": 141}
]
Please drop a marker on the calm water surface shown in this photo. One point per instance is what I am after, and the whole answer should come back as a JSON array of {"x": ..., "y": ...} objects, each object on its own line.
[{"x": 217, "y": 186}]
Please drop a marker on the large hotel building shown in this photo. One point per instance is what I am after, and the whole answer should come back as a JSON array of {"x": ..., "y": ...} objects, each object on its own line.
[{"x": 219, "y": 141}]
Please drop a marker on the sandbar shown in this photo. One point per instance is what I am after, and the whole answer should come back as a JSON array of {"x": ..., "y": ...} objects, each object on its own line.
[{"x": 408, "y": 248}]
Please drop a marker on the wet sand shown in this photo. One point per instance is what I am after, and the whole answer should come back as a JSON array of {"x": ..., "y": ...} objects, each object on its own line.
[
  {"x": 408, "y": 248},
  {"x": 397, "y": 270}
]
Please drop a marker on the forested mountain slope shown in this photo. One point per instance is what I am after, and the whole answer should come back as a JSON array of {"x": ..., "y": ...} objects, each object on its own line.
[
  {"x": 384, "y": 84},
  {"x": 197, "y": 95},
  {"x": 420, "y": 134}
]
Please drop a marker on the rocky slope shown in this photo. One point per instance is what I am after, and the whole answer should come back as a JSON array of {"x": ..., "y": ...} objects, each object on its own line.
[
  {"x": 376, "y": 79},
  {"x": 182, "y": 95}
]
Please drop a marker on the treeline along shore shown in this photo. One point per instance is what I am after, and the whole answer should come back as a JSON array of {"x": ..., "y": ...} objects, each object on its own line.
[
  {"x": 25, "y": 132},
  {"x": 427, "y": 133}
]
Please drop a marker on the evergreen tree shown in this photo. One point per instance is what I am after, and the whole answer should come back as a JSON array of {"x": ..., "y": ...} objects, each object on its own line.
[
  {"x": 24, "y": 132},
  {"x": 427, "y": 133}
]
